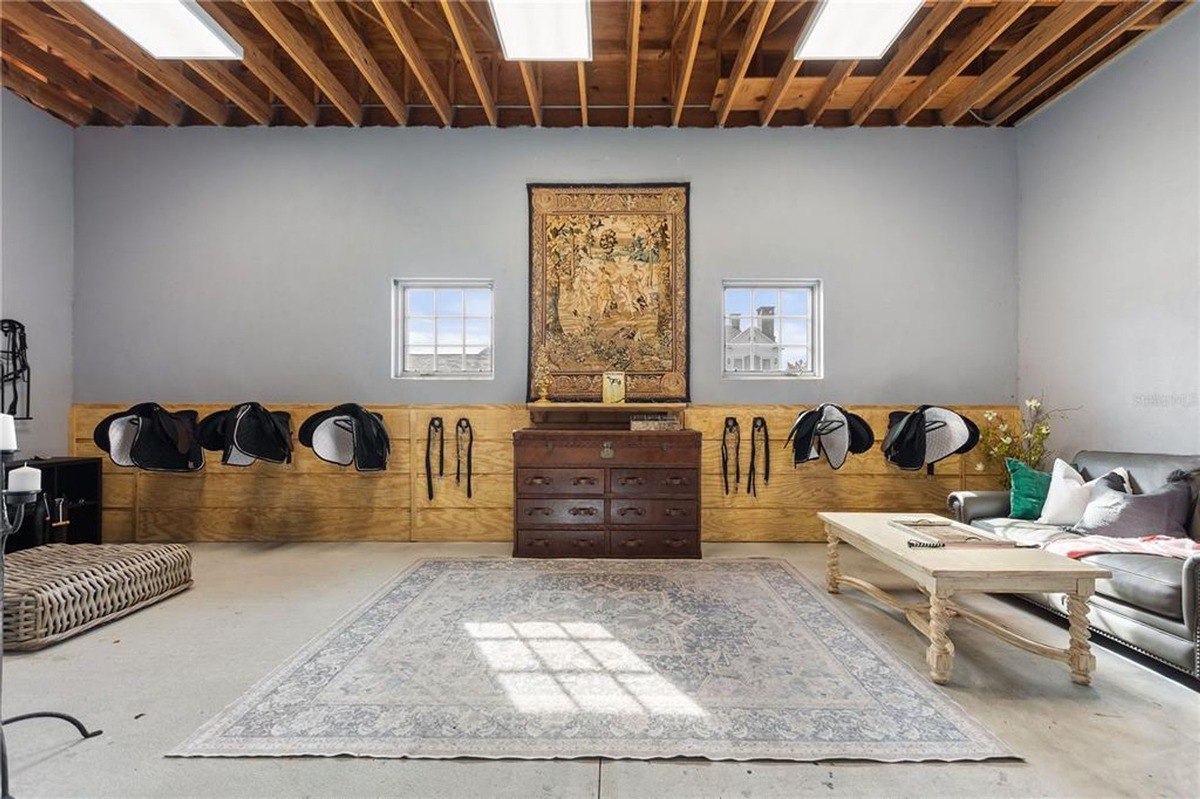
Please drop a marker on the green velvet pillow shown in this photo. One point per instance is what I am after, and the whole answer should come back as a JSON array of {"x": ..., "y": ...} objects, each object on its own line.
[{"x": 1029, "y": 489}]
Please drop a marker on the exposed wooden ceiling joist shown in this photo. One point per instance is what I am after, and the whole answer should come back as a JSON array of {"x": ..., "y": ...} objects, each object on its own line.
[
  {"x": 263, "y": 68},
  {"x": 754, "y": 30},
  {"x": 908, "y": 51},
  {"x": 471, "y": 60},
  {"x": 1056, "y": 23},
  {"x": 300, "y": 49},
  {"x": 65, "y": 41},
  {"x": 393, "y": 19},
  {"x": 691, "y": 46},
  {"x": 392, "y": 62},
  {"x": 982, "y": 35},
  {"x": 52, "y": 99},
  {"x": 166, "y": 74},
  {"x": 346, "y": 36},
  {"x": 20, "y": 51}
]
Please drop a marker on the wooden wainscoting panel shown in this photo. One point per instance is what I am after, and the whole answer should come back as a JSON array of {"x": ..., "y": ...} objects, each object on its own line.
[
  {"x": 462, "y": 524},
  {"x": 278, "y": 524},
  {"x": 313, "y": 500}
]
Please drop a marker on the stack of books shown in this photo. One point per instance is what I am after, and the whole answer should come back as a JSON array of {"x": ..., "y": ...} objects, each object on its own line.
[{"x": 655, "y": 421}]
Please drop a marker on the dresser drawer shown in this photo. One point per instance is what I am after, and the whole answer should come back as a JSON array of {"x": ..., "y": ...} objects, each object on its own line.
[
  {"x": 654, "y": 544},
  {"x": 565, "y": 448},
  {"x": 559, "y": 512},
  {"x": 561, "y": 544},
  {"x": 572, "y": 482},
  {"x": 654, "y": 512},
  {"x": 655, "y": 482}
]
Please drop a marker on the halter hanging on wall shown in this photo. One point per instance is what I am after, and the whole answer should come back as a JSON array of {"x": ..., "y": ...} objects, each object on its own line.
[{"x": 14, "y": 370}]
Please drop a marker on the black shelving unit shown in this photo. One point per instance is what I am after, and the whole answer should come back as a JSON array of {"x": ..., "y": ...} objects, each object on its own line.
[{"x": 78, "y": 482}]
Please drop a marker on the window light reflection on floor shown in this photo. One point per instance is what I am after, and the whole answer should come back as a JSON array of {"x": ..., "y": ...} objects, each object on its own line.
[{"x": 553, "y": 667}]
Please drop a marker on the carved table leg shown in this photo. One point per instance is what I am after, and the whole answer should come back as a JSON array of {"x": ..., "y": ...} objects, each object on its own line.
[
  {"x": 940, "y": 655},
  {"x": 832, "y": 571},
  {"x": 1079, "y": 652}
]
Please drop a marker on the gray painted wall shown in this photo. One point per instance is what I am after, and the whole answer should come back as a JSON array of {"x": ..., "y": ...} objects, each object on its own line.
[
  {"x": 37, "y": 260},
  {"x": 1110, "y": 251},
  {"x": 222, "y": 265}
]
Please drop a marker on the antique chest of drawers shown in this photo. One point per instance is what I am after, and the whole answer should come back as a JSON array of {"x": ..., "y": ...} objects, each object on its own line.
[{"x": 606, "y": 493}]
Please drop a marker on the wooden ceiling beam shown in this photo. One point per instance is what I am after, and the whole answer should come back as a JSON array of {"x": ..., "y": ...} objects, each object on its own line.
[
  {"x": 393, "y": 20},
  {"x": 263, "y": 68},
  {"x": 689, "y": 59},
  {"x": 583, "y": 92},
  {"x": 221, "y": 76},
  {"x": 739, "y": 12},
  {"x": 754, "y": 31},
  {"x": 908, "y": 51},
  {"x": 18, "y": 50},
  {"x": 49, "y": 97},
  {"x": 345, "y": 34},
  {"x": 533, "y": 90},
  {"x": 297, "y": 46},
  {"x": 785, "y": 16},
  {"x": 1055, "y": 24},
  {"x": 820, "y": 101},
  {"x": 635, "y": 25},
  {"x": 778, "y": 86},
  {"x": 981, "y": 36},
  {"x": 470, "y": 59},
  {"x": 1104, "y": 30},
  {"x": 167, "y": 75},
  {"x": 46, "y": 29}
]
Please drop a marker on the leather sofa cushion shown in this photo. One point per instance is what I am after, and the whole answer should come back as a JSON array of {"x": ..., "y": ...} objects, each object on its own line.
[
  {"x": 1023, "y": 532},
  {"x": 1150, "y": 582}
]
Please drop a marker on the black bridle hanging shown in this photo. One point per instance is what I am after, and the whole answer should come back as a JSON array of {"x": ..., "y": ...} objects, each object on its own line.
[
  {"x": 758, "y": 431},
  {"x": 731, "y": 434},
  {"x": 463, "y": 431},
  {"x": 436, "y": 427}
]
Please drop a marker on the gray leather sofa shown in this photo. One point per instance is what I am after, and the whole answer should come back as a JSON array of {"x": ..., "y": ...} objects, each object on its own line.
[{"x": 1150, "y": 602}]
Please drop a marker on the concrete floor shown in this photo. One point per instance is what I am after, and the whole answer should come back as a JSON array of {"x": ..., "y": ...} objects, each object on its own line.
[{"x": 150, "y": 680}]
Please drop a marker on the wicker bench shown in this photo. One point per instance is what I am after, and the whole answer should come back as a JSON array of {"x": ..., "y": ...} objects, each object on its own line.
[{"x": 55, "y": 591}]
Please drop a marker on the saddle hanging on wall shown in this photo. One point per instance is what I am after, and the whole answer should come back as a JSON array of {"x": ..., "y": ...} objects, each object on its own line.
[
  {"x": 248, "y": 432},
  {"x": 150, "y": 437},
  {"x": 828, "y": 429},
  {"x": 926, "y": 435},
  {"x": 347, "y": 434}
]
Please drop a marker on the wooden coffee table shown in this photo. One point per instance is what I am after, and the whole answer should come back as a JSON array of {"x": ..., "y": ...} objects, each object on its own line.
[{"x": 942, "y": 573}]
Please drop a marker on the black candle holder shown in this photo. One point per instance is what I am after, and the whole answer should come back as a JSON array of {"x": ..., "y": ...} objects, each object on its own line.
[{"x": 19, "y": 501}]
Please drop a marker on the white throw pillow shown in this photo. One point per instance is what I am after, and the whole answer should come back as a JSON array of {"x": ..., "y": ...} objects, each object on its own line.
[{"x": 1068, "y": 496}]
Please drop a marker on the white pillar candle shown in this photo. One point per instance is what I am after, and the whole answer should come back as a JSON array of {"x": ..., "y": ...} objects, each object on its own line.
[
  {"x": 25, "y": 478},
  {"x": 8, "y": 433}
]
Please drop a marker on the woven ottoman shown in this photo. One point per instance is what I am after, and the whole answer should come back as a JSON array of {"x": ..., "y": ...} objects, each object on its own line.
[{"x": 55, "y": 591}]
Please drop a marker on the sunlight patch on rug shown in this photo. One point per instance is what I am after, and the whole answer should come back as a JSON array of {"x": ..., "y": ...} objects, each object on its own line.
[{"x": 720, "y": 659}]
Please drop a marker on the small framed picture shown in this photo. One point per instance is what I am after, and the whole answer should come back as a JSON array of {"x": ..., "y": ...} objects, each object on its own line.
[{"x": 614, "y": 387}]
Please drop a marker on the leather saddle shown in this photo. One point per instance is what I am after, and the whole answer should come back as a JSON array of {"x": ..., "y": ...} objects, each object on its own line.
[
  {"x": 150, "y": 437},
  {"x": 248, "y": 432},
  {"x": 348, "y": 434},
  {"x": 926, "y": 435},
  {"x": 829, "y": 429}
]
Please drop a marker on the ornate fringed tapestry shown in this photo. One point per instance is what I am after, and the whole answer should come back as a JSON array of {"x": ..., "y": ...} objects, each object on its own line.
[{"x": 608, "y": 290}]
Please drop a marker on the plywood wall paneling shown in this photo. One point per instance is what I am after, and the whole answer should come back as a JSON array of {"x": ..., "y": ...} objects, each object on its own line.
[{"x": 312, "y": 500}]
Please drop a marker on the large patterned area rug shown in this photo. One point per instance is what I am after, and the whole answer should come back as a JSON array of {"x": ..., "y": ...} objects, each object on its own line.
[{"x": 719, "y": 659}]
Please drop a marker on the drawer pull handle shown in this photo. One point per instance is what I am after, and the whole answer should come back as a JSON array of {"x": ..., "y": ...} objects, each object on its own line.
[
  {"x": 584, "y": 481},
  {"x": 675, "y": 542},
  {"x": 675, "y": 480},
  {"x": 584, "y": 542},
  {"x": 632, "y": 542},
  {"x": 634, "y": 511},
  {"x": 543, "y": 511},
  {"x": 632, "y": 481},
  {"x": 582, "y": 511},
  {"x": 538, "y": 481},
  {"x": 676, "y": 512},
  {"x": 540, "y": 542}
]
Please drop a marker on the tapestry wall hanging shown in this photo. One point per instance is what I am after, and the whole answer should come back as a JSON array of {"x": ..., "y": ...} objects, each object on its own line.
[{"x": 608, "y": 290}]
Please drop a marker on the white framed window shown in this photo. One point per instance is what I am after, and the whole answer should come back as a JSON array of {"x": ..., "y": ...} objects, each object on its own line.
[
  {"x": 771, "y": 328},
  {"x": 443, "y": 329}
]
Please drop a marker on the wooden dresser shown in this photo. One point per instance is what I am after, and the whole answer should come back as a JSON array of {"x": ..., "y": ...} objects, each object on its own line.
[{"x": 606, "y": 493}]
